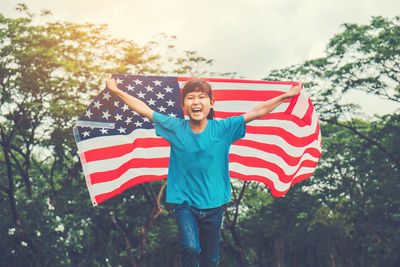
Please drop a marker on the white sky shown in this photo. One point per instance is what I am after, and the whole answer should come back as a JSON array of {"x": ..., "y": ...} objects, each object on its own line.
[{"x": 250, "y": 37}]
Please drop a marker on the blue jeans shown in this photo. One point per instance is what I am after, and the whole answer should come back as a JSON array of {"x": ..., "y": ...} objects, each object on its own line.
[{"x": 199, "y": 234}]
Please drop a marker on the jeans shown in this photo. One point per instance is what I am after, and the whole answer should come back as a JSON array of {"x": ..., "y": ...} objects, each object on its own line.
[{"x": 199, "y": 235}]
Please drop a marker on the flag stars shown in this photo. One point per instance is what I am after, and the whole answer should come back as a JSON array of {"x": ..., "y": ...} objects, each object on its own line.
[
  {"x": 86, "y": 133},
  {"x": 106, "y": 114},
  {"x": 135, "y": 113},
  {"x": 157, "y": 83},
  {"x": 138, "y": 124},
  {"x": 168, "y": 89},
  {"x": 172, "y": 115},
  {"x": 170, "y": 103},
  {"x": 125, "y": 107},
  {"x": 161, "y": 109},
  {"x": 106, "y": 96},
  {"x": 137, "y": 81},
  {"x": 119, "y": 81},
  {"x": 141, "y": 95},
  {"x": 160, "y": 96},
  {"x": 128, "y": 120},
  {"x": 145, "y": 119},
  {"x": 122, "y": 130},
  {"x": 152, "y": 102},
  {"x": 149, "y": 88},
  {"x": 104, "y": 131},
  {"x": 130, "y": 87},
  {"x": 118, "y": 117},
  {"x": 88, "y": 113},
  {"x": 97, "y": 104}
]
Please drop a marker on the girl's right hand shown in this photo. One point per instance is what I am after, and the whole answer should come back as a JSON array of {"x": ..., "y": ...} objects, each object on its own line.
[{"x": 112, "y": 84}]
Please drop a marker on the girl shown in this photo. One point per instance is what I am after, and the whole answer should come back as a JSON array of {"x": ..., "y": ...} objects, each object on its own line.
[{"x": 198, "y": 173}]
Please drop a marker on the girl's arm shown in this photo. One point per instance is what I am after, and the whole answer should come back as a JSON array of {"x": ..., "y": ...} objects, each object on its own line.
[
  {"x": 266, "y": 107},
  {"x": 134, "y": 103}
]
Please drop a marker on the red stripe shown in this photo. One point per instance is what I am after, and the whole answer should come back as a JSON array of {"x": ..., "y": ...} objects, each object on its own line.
[
  {"x": 271, "y": 116},
  {"x": 120, "y": 150},
  {"x": 308, "y": 116},
  {"x": 259, "y": 163},
  {"x": 292, "y": 104},
  {"x": 184, "y": 79},
  {"x": 101, "y": 177},
  {"x": 288, "y": 137},
  {"x": 277, "y": 150},
  {"x": 132, "y": 182},
  {"x": 261, "y": 179}
]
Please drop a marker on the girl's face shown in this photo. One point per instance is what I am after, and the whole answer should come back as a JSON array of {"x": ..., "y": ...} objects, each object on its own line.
[{"x": 197, "y": 105}]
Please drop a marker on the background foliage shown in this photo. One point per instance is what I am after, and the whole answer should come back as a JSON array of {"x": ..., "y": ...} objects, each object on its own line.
[{"x": 347, "y": 214}]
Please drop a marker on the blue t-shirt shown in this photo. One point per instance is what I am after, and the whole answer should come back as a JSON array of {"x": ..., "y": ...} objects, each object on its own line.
[{"x": 198, "y": 170}]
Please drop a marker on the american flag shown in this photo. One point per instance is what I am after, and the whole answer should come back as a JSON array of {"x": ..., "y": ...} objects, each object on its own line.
[{"x": 119, "y": 149}]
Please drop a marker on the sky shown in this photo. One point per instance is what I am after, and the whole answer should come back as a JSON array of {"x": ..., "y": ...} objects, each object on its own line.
[{"x": 250, "y": 37}]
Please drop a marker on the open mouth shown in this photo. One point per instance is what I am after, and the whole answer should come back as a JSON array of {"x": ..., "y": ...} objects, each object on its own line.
[{"x": 197, "y": 110}]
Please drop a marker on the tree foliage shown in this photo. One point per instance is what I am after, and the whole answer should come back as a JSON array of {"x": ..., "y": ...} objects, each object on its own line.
[{"x": 347, "y": 214}]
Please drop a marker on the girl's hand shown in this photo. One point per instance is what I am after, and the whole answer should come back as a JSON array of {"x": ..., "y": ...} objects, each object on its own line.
[
  {"x": 112, "y": 84},
  {"x": 295, "y": 90}
]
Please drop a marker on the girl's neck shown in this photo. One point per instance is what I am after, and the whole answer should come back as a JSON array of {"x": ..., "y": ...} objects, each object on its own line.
[{"x": 198, "y": 126}]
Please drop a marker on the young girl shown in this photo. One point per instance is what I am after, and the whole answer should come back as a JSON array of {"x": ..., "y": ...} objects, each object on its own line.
[{"x": 198, "y": 173}]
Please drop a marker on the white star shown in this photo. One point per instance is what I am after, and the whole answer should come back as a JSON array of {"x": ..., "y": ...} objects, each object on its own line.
[
  {"x": 168, "y": 89},
  {"x": 145, "y": 119},
  {"x": 161, "y": 109},
  {"x": 141, "y": 95},
  {"x": 104, "y": 131},
  {"x": 128, "y": 120},
  {"x": 138, "y": 124},
  {"x": 152, "y": 102},
  {"x": 170, "y": 103},
  {"x": 106, "y": 115},
  {"x": 116, "y": 103},
  {"x": 157, "y": 83},
  {"x": 119, "y": 81},
  {"x": 137, "y": 81},
  {"x": 88, "y": 113},
  {"x": 149, "y": 88},
  {"x": 130, "y": 88},
  {"x": 118, "y": 117},
  {"x": 159, "y": 95},
  {"x": 172, "y": 115},
  {"x": 106, "y": 95},
  {"x": 97, "y": 104},
  {"x": 85, "y": 133},
  {"x": 125, "y": 107},
  {"x": 122, "y": 130}
]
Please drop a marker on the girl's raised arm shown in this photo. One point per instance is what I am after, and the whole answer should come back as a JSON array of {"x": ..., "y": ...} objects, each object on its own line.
[
  {"x": 266, "y": 107},
  {"x": 134, "y": 103}
]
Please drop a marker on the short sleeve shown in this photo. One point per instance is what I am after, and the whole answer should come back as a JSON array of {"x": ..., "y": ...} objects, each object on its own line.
[
  {"x": 234, "y": 128},
  {"x": 165, "y": 125}
]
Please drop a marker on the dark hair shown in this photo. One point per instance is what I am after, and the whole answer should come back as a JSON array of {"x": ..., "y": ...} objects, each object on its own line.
[{"x": 197, "y": 85}]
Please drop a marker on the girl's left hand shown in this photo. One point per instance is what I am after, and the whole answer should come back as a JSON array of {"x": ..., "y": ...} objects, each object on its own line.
[{"x": 295, "y": 90}]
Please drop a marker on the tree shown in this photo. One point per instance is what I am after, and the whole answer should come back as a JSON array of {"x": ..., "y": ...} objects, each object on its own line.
[{"x": 48, "y": 74}]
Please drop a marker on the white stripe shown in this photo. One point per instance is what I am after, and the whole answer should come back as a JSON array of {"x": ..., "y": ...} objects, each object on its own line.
[
  {"x": 115, "y": 163},
  {"x": 301, "y": 106},
  {"x": 106, "y": 187},
  {"x": 114, "y": 140},
  {"x": 290, "y": 150},
  {"x": 275, "y": 159},
  {"x": 244, "y": 106}
]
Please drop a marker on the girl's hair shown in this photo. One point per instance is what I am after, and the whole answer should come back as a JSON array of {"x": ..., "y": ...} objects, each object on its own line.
[{"x": 197, "y": 85}]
